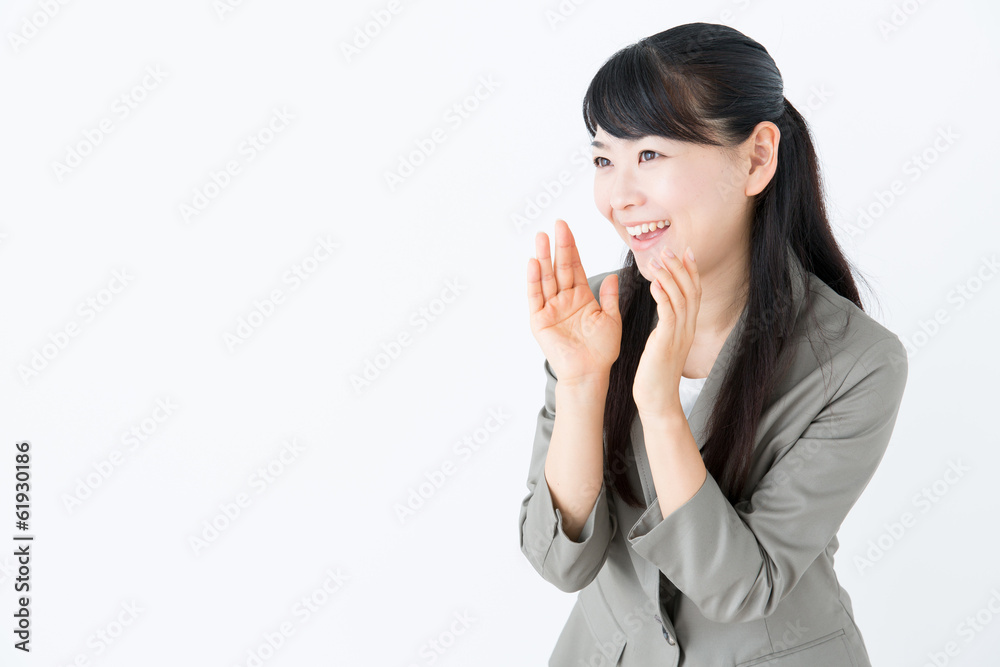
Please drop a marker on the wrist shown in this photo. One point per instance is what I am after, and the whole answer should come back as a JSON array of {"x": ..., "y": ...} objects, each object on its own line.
[
  {"x": 583, "y": 388},
  {"x": 666, "y": 415}
]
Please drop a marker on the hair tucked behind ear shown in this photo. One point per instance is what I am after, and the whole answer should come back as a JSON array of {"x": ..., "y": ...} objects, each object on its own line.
[{"x": 711, "y": 84}]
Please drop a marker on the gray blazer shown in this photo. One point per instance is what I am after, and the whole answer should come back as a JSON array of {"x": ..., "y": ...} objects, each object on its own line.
[{"x": 717, "y": 584}]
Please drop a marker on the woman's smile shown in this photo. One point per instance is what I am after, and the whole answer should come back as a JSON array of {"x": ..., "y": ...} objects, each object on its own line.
[{"x": 646, "y": 239}]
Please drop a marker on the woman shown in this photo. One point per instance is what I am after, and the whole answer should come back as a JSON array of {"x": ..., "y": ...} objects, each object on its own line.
[{"x": 723, "y": 399}]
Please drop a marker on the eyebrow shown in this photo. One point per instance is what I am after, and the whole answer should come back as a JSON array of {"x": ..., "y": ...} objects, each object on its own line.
[{"x": 597, "y": 144}]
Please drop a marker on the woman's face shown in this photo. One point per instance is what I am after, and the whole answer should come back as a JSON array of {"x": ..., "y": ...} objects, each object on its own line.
[{"x": 699, "y": 190}]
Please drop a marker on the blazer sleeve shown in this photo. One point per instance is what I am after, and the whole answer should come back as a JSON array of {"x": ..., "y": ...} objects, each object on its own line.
[
  {"x": 737, "y": 563},
  {"x": 568, "y": 564}
]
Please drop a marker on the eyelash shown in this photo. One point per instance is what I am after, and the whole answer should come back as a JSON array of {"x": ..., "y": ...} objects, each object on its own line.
[{"x": 604, "y": 158}]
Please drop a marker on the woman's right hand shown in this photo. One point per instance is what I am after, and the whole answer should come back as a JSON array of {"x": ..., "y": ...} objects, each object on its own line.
[{"x": 580, "y": 338}]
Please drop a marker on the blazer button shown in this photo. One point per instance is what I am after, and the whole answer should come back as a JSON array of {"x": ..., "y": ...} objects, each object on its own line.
[{"x": 663, "y": 628}]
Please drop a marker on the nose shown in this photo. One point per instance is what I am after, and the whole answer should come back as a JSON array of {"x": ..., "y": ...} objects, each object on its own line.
[{"x": 625, "y": 190}]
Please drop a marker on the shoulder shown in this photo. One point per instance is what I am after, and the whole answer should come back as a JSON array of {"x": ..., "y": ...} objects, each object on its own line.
[
  {"x": 833, "y": 334},
  {"x": 844, "y": 383},
  {"x": 839, "y": 319}
]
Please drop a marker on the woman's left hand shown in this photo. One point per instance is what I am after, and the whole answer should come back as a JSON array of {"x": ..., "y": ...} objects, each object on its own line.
[{"x": 676, "y": 287}]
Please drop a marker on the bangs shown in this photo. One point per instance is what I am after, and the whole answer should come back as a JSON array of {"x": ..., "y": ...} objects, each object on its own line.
[{"x": 635, "y": 95}]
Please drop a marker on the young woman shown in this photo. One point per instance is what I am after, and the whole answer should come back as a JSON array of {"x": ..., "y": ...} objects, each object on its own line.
[{"x": 714, "y": 408}]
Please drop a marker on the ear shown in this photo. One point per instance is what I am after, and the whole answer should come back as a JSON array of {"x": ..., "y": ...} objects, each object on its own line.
[{"x": 763, "y": 149}]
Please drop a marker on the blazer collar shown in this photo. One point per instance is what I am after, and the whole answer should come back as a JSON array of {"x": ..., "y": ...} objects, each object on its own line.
[{"x": 702, "y": 410}]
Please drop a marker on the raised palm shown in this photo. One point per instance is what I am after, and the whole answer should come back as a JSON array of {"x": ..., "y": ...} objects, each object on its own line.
[{"x": 580, "y": 337}]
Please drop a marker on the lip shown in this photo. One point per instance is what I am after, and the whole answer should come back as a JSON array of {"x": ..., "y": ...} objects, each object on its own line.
[{"x": 647, "y": 243}]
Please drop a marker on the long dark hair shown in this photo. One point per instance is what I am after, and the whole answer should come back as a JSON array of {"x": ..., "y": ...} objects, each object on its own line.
[{"x": 711, "y": 84}]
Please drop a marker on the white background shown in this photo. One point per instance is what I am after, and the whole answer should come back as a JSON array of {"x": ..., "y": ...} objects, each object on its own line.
[{"x": 874, "y": 100}]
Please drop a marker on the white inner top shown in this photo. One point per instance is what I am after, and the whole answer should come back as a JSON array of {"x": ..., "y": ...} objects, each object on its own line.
[{"x": 689, "y": 389}]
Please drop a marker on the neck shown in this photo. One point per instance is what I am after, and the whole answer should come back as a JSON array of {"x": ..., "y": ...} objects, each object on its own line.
[{"x": 723, "y": 297}]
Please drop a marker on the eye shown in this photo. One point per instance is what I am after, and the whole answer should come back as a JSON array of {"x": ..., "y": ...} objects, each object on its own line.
[{"x": 598, "y": 164}]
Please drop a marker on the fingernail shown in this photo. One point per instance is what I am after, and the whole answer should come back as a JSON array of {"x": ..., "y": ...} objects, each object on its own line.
[
  {"x": 655, "y": 263},
  {"x": 668, "y": 252},
  {"x": 690, "y": 254}
]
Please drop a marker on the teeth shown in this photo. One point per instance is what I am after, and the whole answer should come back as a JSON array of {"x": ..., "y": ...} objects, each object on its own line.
[{"x": 641, "y": 229}]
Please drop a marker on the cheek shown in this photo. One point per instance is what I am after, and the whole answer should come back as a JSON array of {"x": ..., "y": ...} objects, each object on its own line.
[
  {"x": 696, "y": 189},
  {"x": 729, "y": 188},
  {"x": 603, "y": 203},
  {"x": 601, "y": 198}
]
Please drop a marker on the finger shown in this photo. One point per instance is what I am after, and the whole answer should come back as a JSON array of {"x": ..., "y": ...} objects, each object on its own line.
[
  {"x": 695, "y": 279},
  {"x": 609, "y": 296},
  {"x": 667, "y": 283},
  {"x": 679, "y": 272},
  {"x": 536, "y": 300},
  {"x": 545, "y": 265},
  {"x": 664, "y": 311},
  {"x": 665, "y": 292},
  {"x": 684, "y": 275},
  {"x": 568, "y": 268}
]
